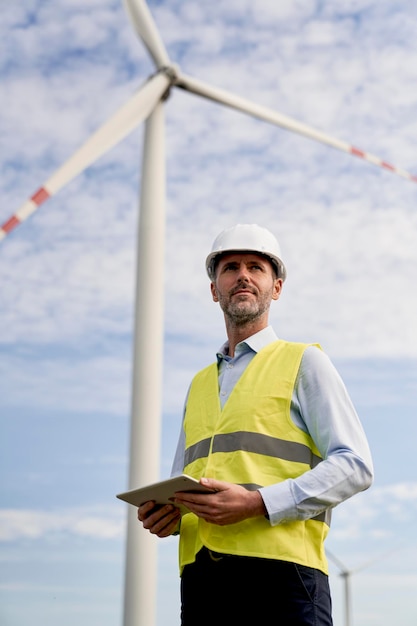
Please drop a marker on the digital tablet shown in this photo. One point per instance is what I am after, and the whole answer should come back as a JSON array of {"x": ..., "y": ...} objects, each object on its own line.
[{"x": 162, "y": 492}]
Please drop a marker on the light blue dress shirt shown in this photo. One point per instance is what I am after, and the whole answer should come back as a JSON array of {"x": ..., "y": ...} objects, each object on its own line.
[{"x": 320, "y": 406}]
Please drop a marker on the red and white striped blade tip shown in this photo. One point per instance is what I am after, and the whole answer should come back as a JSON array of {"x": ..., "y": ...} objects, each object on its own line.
[
  {"x": 133, "y": 112},
  {"x": 24, "y": 211}
]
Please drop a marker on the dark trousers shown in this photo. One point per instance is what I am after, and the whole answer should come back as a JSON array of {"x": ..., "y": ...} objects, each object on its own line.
[{"x": 221, "y": 590}]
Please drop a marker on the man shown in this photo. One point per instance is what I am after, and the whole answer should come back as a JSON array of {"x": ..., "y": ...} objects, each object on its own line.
[{"x": 271, "y": 429}]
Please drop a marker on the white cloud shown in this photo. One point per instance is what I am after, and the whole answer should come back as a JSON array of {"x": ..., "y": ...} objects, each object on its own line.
[
  {"x": 380, "y": 513},
  {"x": 18, "y": 524},
  {"x": 50, "y": 382}
]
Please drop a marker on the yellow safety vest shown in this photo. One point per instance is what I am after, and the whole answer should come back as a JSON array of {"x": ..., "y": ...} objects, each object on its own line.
[{"x": 253, "y": 442}]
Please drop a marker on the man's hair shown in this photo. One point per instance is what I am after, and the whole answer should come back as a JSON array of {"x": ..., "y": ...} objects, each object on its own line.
[{"x": 215, "y": 262}]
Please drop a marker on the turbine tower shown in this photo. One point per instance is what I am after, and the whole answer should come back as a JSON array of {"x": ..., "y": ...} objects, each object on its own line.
[
  {"x": 147, "y": 105},
  {"x": 344, "y": 573}
]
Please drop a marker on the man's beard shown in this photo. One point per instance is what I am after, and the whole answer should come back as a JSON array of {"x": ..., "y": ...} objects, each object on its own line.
[{"x": 242, "y": 311}]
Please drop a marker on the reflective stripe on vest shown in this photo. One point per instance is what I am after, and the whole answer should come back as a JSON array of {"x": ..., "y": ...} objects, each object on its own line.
[{"x": 253, "y": 442}]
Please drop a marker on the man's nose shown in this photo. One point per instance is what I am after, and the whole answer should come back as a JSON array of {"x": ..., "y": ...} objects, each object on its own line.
[{"x": 243, "y": 273}]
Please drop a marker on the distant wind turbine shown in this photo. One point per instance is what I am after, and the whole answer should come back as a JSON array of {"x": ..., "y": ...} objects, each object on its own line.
[
  {"x": 346, "y": 574},
  {"x": 147, "y": 105}
]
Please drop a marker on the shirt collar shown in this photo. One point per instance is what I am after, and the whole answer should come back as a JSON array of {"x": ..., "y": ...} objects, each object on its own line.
[{"x": 255, "y": 342}]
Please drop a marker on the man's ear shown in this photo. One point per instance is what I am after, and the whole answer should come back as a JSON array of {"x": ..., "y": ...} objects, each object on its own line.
[
  {"x": 277, "y": 288},
  {"x": 214, "y": 292}
]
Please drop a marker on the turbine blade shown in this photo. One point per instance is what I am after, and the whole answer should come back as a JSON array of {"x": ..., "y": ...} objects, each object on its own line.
[
  {"x": 379, "y": 557},
  {"x": 269, "y": 115},
  {"x": 108, "y": 135},
  {"x": 343, "y": 569},
  {"x": 145, "y": 27}
]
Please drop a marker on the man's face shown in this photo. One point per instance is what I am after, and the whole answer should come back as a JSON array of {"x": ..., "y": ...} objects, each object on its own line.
[{"x": 244, "y": 286}]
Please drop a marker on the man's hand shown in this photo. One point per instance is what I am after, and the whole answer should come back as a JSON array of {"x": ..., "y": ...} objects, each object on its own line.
[
  {"x": 227, "y": 505},
  {"x": 160, "y": 520}
]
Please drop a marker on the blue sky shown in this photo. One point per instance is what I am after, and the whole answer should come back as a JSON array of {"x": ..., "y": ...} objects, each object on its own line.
[{"x": 347, "y": 231}]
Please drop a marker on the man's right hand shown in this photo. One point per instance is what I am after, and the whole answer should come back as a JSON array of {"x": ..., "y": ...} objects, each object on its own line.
[{"x": 161, "y": 520}]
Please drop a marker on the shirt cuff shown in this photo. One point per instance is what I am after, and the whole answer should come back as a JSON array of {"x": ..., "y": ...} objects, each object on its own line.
[{"x": 279, "y": 502}]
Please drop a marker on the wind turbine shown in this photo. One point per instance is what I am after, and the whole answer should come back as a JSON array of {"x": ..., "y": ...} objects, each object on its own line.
[
  {"x": 147, "y": 105},
  {"x": 346, "y": 574}
]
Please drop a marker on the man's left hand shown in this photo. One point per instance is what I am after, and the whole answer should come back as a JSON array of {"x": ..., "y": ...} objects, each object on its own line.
[{"x": 228, "y": 504}]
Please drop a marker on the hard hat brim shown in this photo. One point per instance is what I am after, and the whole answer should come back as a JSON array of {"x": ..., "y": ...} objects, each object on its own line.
[{"x": 214, "y": 258}]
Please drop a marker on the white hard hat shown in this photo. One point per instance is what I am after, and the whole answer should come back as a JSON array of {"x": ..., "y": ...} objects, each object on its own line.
[{"x": 250, "y": 238}]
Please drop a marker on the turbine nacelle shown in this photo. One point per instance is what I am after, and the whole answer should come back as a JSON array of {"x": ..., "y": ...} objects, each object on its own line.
[{"x": 172, "y": 72}]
